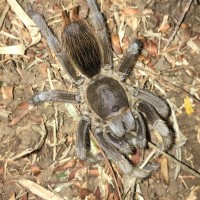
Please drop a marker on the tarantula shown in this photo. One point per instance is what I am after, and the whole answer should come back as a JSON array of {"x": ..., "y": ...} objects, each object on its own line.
[{"x": 86, "y": 50}]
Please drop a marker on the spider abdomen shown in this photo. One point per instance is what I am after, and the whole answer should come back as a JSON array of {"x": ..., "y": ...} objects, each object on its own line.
[
  {"x": 106, "y": 96},
  {"x": 82, "y": 47}
]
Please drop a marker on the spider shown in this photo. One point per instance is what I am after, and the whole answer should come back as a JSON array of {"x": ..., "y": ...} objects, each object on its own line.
[{"x": 85, "y": 53}]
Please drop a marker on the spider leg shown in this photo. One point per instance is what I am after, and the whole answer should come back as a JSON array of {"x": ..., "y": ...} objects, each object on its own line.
[
  {"x": 155, "y": 120},
  {"x": 129, "y": 58},
  {"x": 160, "y": 106},
  {"x": 140, "y": 129},
  {"x": 55, "y": 95},
  {"x": 82, "y": 138},
  {"x": 120, "y": 159},
  {"x": 100, "y": 28},
  {"x": 54, "y": 44}
]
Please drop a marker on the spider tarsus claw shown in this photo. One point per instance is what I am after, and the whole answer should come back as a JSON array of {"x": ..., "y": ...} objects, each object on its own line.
[{"x": 145, "y": 172}]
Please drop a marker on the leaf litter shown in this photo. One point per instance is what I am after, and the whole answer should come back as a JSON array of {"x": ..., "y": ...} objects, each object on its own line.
[{"x": 46, "y": 165}]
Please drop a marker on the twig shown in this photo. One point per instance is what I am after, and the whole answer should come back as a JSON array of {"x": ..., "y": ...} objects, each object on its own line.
[
  {"x": 178, "y": 24},
  {"x": 184, "y": 166}
]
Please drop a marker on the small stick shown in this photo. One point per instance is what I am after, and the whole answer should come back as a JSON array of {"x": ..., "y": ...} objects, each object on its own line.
[{"x": 178, "y": 24}]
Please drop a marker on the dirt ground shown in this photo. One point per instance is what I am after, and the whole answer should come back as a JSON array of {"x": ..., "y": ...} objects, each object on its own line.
[{"x": 37, "y": 144}]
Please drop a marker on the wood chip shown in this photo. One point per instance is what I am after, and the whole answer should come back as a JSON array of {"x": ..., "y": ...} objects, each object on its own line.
[
  {"x": 38, "y": 190},
  {"x": 15, "y": 49}
]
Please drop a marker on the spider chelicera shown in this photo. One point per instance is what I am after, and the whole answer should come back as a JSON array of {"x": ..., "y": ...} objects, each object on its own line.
[{"x": 104, "y": 100}]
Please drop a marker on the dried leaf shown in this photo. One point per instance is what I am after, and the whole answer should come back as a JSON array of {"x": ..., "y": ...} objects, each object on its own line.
[
  {"x": 130, "y": 11},
  {"x": 31, "y": 54},
  {"x": 191, "y": 72},
  {"x": 2, "y": 170},
  {"x": 35, "y": 170},
  {"x": 72, "y": 111},
  {"x": 198, "y": 136},
  {"x": 69, "y": 164},
  {"x": 194, "y": 44},
  {"x": 133, "y": 22},
  {"x": 188, "y": 106},
  {"x": 15, "y": 49},
  {"x": 24, "y": 109},
  {"x": 185, "y": 34},
  {"x": 151, "y": 47},
  {"x": 25, "y": 196},
  {"x": 4, "y": 113},
  {"x": 126, "y": 43},
  {"x": 7, "y": 92},
  {"x": 98, "y": 193},
  {"x": 36, "y": 146},
  {"x": 72, "y": 174},
  {"x": 164, "y": 169},
  {"x": 184, "y": 26},
  {"x": 116, "y": 44},
  {"x": 43, "y": 70},
  {"x": 12, "y": 197},
  {"x": 182, "y": 60},
  {"x": 139, "y": 192},
  {"x": 165, "y": 26},
  {"x": 113, "y": 196},
  {"x": 93, "y": 172},
  {"x": 84, "y": 192},
  {"x": 148, "y": 11},
  {"x": 193, "y": 194},
  {"x": 76, "y": 170},
  {"x": 80, "y": 163}
]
